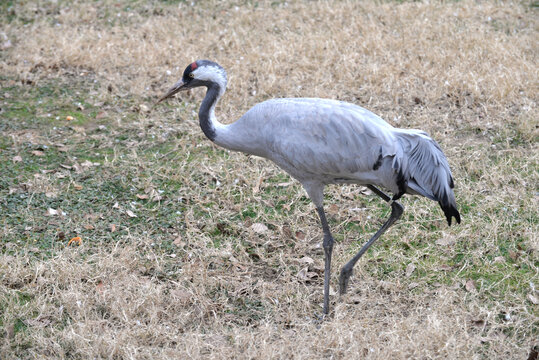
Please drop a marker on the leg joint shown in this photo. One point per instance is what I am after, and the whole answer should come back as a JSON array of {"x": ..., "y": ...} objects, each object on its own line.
[
  {"x": 328, "y": 242},
  {"x": 397, "y": 208}
]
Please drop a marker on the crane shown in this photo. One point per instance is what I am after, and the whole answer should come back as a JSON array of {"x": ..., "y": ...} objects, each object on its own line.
[{"x": 321, "y": 142}]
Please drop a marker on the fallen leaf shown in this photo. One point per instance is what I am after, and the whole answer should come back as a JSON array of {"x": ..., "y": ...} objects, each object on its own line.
[
  {"x": 131, "y": 214},
  {"x": 78, "y": 129},
  {"x": 300, "y": 235},
  {"x": 40, "y": 321},
  {"x": 17, "y": 158},
  {"x": 89, "y": 227},
  {"x": 154, "y": 195},
  {"x": 89, "y": 164},
  {"x": 533, "y": 299},
  {"x": 284, "y": 184},
  {"x": 116, "y": 205},
  {"x": 77, "y": 168},
  {"x": 306, "y": 260},
  {"x": 6, "y": 44},
  {"x": 38, "y": 153},
  {"x": 142, "y": 197},
  {"x": 478, "y": 323},
  {"x": 112, "y": 228},
  {"x": 100, "y": 287},
  {"x": 287, "y": 231},
  {"x": 305, "y": 274},
  {"x": 413, "y": 285},
  {"x": 100, "y": 115},
  {"x": 258, "y": 184},
  {"x": 410, "y": 269},
  {"x": 179, "y": 241},
  {"x": 302, "y": 274},
  {"x": 68, "y": 167},
  {"x": 239, "y": 266},
  {"x": 77, "y": 187},
  {"x": 333, "y": 209},
  {"x": 446, "y": 240},
  {"x": 10, "y": 331},
  {"x": 52, "y": 212},
  {"x": 182, "y": 296},
  {"x": 76, "y": 239},
  {"x": 513, "y": 255},
  {"x": 259, "y": 228},
  {"x": 51, "y": 194},
  {"x": 499, "y": 259},
  {"x": 470, "y": 286},
  {"x": 92, "y": 217}
]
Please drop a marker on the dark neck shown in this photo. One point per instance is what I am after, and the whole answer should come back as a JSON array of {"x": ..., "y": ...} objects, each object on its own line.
[{"x": 206, "y": 110}]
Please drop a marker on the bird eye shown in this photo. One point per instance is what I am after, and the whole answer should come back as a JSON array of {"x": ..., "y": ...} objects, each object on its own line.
[{"x": 191, "y": 75}]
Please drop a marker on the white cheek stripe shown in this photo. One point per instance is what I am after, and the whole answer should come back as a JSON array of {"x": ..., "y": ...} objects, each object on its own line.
[{"x": 211, "y": 73}]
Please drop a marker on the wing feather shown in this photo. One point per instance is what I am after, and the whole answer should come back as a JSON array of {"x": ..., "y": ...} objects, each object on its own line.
[
  {"x": 324, "y": 140},
  {"x": 427, "y": 171},
  {"x": 327, "y": 138}
]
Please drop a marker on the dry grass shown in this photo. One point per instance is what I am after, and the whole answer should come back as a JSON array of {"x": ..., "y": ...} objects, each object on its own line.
[{"x": 188, "y": 277}]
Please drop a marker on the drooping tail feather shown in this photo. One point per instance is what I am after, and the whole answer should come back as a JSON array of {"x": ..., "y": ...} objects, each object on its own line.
[
  {"x": 450, "y": 211},
  {"x": 426, "y": 171},
  {"x": 447, "y": 202}
]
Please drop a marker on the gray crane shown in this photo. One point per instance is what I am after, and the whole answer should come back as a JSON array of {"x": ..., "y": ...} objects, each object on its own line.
[{"x": 321, "y": 142}]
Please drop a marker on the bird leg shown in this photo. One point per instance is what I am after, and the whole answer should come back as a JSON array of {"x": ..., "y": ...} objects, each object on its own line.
[
  {"x": 396, "y": 212},
  {"x": 379, "y": 192},
  {"x": 328, "y": 249}
]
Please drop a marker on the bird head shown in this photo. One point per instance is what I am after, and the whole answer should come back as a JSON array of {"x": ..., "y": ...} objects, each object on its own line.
[{"x": 200, "y": 73}]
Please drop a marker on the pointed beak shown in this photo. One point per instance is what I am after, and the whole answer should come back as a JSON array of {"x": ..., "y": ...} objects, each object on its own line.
[{"x": 179, "y": 86}]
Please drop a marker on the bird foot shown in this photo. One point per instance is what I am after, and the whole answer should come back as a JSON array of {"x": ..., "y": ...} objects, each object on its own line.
[
  {"x": 319, "y": 319},
  {"x": 343, "y": 280}
]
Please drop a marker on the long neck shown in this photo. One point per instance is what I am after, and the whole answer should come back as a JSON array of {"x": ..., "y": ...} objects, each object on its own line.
[
  {"x": 206, "y": 114},
  {"x": 227, "y": 136}
]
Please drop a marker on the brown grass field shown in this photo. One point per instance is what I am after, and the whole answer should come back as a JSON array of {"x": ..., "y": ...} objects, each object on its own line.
[{"x": 189, "y": 251}]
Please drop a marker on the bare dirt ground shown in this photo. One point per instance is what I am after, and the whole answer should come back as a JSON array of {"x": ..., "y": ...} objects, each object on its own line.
[{"x": 189, "y": 251}]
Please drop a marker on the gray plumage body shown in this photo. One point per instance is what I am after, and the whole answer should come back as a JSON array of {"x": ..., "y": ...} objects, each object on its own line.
[{"x": 321, "y": 142}]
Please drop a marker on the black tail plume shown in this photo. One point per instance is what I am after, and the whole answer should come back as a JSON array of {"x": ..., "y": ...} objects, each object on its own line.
[{"x": 450, "y": 211}]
